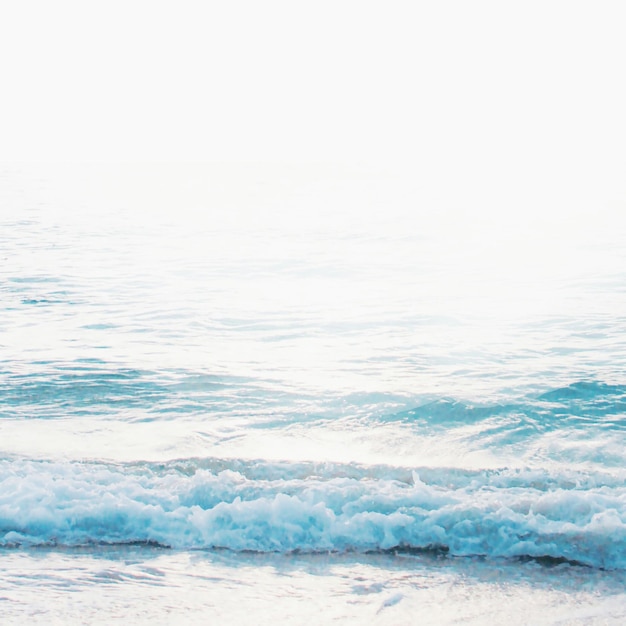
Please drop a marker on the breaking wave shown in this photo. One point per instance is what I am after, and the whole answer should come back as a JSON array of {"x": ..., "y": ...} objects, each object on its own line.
[{"x": 312, "y": 507}]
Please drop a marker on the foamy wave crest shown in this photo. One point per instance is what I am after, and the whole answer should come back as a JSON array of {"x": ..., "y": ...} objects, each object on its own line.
[{"x": 205, "y": 504}]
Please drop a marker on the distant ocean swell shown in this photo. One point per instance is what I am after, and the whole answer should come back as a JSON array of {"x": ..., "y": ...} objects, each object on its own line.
[{"x": 312, "y": 507}]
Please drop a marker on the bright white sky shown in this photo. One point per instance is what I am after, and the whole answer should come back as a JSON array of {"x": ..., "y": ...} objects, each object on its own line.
[{"x": 521, "y": 103}]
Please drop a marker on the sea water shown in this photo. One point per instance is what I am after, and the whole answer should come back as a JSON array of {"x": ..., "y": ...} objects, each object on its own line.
[{"x": 297, "y": 395}]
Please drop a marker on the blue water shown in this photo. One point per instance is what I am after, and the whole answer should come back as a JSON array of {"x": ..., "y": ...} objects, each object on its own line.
[{"x": 251, "y": 373}]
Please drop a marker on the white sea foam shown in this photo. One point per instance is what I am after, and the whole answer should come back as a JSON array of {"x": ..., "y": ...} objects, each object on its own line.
[{"x": 316, "y": 507}]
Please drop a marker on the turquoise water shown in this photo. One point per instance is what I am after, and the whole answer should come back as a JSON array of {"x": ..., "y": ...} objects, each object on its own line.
[{"x": 306, "y": 394}]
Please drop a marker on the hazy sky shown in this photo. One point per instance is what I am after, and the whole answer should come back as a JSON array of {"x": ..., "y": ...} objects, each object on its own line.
[{"x": 496, "y": 101}]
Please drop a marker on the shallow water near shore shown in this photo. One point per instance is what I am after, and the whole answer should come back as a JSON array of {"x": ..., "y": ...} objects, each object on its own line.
[
  {"x": 305, "y": 397},
  {"x": 117, "y": 584}
]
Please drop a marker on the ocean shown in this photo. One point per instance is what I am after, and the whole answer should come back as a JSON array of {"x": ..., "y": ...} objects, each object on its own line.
[{"x": 280, "y": 394}]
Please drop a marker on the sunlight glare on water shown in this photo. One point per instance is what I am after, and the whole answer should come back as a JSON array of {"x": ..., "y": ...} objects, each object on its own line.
[{"x": 308, "y": 360}]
